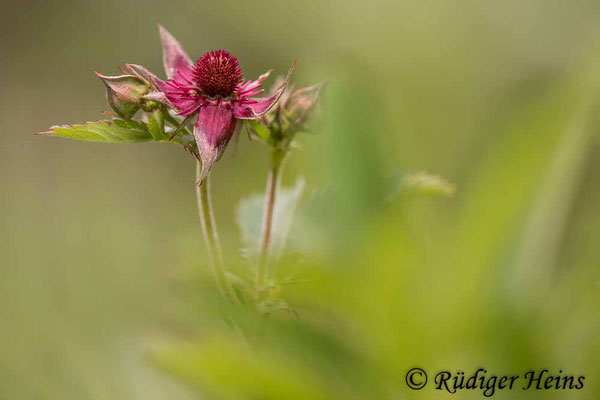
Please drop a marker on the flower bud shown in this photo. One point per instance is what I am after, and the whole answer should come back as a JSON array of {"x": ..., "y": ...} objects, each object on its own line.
[
  {"x": 300, "y": 103},
  {"x": 124, "y": 93},
  {"x": 278, "y": 127}
]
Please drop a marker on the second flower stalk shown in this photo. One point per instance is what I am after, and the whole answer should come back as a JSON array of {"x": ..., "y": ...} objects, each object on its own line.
[
  {"x": 277, "y": 129},
  {"x": 273, "y": 180}
]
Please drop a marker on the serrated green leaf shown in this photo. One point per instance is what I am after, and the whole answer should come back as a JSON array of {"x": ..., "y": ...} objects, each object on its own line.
[
  {"x": 250, "y": 215},
  {"x": 116, "y": 131}
]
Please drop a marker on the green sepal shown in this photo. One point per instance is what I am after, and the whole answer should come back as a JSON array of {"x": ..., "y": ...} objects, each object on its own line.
[
  {"x": 123, "y": 109},
  {"x": 260, "y": 130},
  {"x": 156, "y": 124}
]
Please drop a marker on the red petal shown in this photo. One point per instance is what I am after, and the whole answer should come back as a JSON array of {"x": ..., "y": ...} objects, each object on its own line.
[
  {"x": 262, "y": 104},
  {"x": 253, "y": 85},
  {"x": 166, "y": 94}
]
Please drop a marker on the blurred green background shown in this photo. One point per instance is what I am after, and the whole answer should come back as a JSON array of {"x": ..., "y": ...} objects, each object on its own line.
[{"x": 102, "y": 261}]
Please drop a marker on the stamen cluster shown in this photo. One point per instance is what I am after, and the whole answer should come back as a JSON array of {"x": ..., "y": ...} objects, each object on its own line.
[{"x": 217, "y": 73}]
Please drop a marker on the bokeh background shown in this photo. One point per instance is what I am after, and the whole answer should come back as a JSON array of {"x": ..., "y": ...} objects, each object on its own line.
[{"x": 103, "y": 290}]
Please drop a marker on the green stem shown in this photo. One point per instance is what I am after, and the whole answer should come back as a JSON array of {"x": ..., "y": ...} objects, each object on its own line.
[
  {"x": 209, "y": 227},
  {"x": 277, "y": 157},
  {"x": 211, "y": 236}
]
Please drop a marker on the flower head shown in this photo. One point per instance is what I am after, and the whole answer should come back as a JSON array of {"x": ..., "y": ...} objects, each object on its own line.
[
  {"x": 213, "y": 89},
  {"x": 217, "y": 73}
]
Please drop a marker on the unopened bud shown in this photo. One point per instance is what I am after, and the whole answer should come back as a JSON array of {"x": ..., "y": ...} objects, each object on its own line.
[{"x": 124, "y": 93}]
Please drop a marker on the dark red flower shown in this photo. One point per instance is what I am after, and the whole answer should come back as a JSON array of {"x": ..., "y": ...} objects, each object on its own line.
[{"x": 212, "y": 88}]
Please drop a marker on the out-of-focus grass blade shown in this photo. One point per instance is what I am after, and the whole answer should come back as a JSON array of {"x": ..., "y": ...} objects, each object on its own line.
[
  {"x": 539, "y": 244},
  {"x": 227, "y": 369}
]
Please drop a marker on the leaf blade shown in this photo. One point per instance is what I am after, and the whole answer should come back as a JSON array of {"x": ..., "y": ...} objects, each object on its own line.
[
  {"x": 250, "y": 214},
  {"x": 103, "y": 131}
]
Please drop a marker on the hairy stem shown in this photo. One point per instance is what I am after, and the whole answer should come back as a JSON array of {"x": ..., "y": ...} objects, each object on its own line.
[
  {"x": 277, "y": 157},
  {"x": 211, "y": 236}
]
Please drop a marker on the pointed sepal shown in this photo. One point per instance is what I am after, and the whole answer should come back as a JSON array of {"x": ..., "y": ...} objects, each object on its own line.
[
  {"x": 262, "y": 105},
  {"x": 213, "y": 131},
  {"x": 174, "y": 57},
  {"x": 156, "y": 124}
]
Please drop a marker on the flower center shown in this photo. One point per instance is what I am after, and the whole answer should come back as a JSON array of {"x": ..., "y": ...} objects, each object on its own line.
[{"x": 217, "y": 73}]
